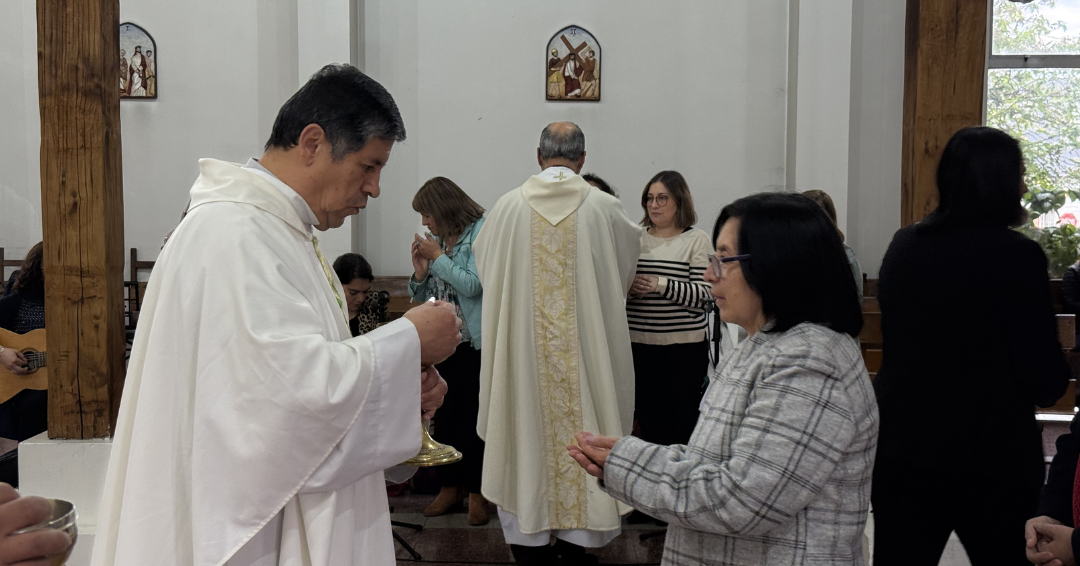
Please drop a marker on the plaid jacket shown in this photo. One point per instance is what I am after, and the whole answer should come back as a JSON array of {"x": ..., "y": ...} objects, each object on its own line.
[{"x": 778, "y": 469}]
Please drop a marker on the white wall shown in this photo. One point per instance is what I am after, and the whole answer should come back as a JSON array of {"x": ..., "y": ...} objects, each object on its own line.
[
  {"x": 877, "y": 113},
  {"x": 20, "y": 172},
  {"x": 224, "y": 69},
  {"x": 823, "y": 92},
  {"x": 697, "y": 86},
  {"x": 693, "y": 85}
]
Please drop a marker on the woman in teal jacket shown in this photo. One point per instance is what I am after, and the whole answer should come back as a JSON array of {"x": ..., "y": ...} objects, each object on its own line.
[{"x": 444, "y": 268}]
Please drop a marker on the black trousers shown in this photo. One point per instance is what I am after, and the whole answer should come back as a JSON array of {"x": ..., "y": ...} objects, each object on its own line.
[
  {"x": 24, "y": 415},
  {"x": 455, "y": 421},
  {"x": 916, "y": 510},
  {"x": 668, "y": 384}
]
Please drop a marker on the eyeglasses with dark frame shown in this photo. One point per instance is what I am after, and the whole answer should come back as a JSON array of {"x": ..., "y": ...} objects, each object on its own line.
[
  {"x": 716, "y": 263},
  {"x": 661, "y": 200}
]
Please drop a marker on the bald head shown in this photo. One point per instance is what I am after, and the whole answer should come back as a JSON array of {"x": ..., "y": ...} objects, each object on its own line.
[{"x": 561, "y": 144}]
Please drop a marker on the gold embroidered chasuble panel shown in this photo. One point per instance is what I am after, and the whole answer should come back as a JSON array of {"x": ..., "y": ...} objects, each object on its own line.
[{"x": 555, "y": 327}]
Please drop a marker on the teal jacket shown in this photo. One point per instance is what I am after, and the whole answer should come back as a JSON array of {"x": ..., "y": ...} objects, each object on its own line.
[{"x": 459, "y": 272}]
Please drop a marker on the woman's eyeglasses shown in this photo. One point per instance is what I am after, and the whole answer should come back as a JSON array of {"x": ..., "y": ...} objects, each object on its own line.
[
  {"x": 661, "y": 200},
  {"x": 719, "y": 265}
]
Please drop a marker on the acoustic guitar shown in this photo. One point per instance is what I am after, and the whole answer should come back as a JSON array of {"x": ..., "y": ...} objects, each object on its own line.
[{"x": 32, "y": 346}]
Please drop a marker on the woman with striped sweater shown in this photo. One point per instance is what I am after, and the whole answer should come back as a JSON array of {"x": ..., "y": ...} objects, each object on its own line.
[{"x": 666, "y": 312}]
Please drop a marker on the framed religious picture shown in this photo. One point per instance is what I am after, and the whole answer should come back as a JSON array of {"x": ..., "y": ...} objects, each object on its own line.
[
  {"x": 138, "y": 63},
  {"x": 572, "y": 69}
]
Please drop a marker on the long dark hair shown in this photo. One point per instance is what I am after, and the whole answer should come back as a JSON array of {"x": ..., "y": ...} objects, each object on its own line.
[
  {"x": 31, "y": 279},
  {"x": 797, "y": 263},
  {"x": 978, "y": 180},
  {"x": 352, "y": 266}
]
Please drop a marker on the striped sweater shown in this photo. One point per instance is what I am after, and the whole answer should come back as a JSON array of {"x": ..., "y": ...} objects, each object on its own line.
[{"x": 675, "y": 312}]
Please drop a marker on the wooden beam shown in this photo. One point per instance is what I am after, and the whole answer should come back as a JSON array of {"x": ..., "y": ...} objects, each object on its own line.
[
  {"x": 944, "y": 75},
  {"x": 83, "y": 215}
]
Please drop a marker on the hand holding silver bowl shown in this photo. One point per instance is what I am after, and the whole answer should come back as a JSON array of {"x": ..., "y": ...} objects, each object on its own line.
[{"x": 53, "y": 528}]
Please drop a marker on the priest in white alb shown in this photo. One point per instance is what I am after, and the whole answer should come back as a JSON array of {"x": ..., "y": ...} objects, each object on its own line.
[
  {"x": 556, "y": 260},
  {"x": 254, "y": 431}
]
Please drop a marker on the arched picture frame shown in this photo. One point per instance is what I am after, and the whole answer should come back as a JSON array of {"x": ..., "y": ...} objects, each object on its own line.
[
  {"x": 138, "y": 63},
  {"x": 572, "y": 66}
]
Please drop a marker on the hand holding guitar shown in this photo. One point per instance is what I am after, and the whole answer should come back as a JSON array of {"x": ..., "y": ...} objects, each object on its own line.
[
  {"x": 14, "y": 361},
  {"x": 22, "y": 363}
]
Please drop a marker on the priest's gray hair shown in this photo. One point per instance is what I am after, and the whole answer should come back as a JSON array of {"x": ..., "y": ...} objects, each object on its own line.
[{"x": 562, "y": 139}]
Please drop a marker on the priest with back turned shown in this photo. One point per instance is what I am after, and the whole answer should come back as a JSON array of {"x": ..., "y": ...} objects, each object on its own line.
[
  {"x": 254, "y": 430},
  {"x": 556, "y": 260}
]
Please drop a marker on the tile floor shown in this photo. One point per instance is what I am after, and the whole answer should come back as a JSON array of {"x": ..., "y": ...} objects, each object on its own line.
[{"x": 450, "y": 541}]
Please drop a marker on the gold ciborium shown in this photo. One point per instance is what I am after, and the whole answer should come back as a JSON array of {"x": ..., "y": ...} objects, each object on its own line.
[{"x": 431, "y": 452}]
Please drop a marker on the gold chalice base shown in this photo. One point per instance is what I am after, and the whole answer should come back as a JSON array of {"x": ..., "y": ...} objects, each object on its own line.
[{"x": 432, "y": 453}]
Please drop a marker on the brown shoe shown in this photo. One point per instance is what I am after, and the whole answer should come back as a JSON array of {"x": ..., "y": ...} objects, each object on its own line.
[
  {"x": 478, "y": 513},
  {"x": 449, "y": 499}
]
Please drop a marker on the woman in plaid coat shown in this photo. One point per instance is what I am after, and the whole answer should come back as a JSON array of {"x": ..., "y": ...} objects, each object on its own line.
[{"x": 778, "y": 469}]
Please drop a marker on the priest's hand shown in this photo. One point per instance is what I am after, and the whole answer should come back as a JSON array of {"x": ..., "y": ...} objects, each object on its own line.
[
  {"x": 13, "y": 360},
  {"x": 439, "y": 329},
  {"x": 30, "y": 548},
  {"x": 432, "y": 391},
  {"x": 591, "y": 452}
]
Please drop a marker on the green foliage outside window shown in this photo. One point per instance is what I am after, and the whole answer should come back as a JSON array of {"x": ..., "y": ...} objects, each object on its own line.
[{"x": 1042, "y": 108}]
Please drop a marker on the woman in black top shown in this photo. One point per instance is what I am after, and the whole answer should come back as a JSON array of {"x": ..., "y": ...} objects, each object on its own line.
[
  {"x": 24, "y": 415},
  {"x": 970, "y": 347}
]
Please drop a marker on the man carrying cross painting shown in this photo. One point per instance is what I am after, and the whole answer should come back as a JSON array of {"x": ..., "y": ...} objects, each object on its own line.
[{"x": 571, "y": 76}]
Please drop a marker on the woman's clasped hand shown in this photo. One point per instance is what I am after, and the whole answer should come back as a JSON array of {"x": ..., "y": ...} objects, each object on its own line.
[{"x": 591, "y": 452}]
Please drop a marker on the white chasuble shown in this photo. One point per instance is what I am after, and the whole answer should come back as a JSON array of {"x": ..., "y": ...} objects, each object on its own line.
[
  {"x": 555, "y": 258},
  {"x": 254, "y": 430}
]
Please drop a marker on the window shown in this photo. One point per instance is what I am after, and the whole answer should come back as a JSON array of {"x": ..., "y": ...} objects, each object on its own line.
[{"x": 1033, "y": 92}]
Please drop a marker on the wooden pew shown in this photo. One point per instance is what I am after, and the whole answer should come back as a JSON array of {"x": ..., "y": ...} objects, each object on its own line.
[
  {"x": 134, "y": 267},
  {"x": 6, "y": 263},
  {"x": 1065, "y": 407},
  {"x": 398, "y": 287},
  {"x": 870, "y": 336},
  {"x": 1056, "y": 297}
]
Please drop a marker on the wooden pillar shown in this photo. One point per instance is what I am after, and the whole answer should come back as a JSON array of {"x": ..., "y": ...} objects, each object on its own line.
[
  {"x": 83, "y": 215},
  {"x": 944, "y": 76}
]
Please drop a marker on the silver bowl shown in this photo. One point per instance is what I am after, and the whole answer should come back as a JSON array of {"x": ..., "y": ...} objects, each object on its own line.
[{"x": 62, "y": 518}]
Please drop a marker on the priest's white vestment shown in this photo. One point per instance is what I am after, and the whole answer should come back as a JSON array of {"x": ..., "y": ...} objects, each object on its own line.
[
  {"x": 254, "y": 430},
  {"x": 556, "y": 258}
]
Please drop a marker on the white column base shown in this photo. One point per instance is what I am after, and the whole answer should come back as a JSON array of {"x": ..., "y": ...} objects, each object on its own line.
[{"x": 73, "y": 470}]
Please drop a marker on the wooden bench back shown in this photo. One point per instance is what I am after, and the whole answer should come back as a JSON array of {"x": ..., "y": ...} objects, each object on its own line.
[
  {"x": 398, "y": 287},
  {"x": 5, "y": 263},
  {"x": 135, "y": 265},
  {"x": 135, "y": 289},
  {"x": 870, "y": 336}
]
